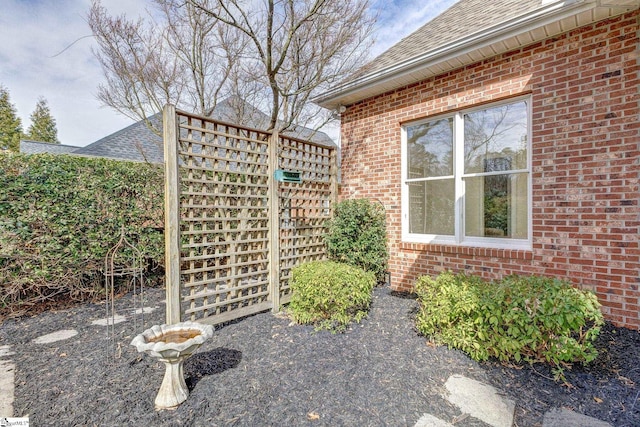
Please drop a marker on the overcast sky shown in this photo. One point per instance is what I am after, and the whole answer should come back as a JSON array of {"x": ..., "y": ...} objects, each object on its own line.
[{"x": 34, "y": 62}]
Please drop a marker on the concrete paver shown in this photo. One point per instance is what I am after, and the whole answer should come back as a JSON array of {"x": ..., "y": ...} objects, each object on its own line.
[
  {"x": 7, "y": 385},
  {"x": 480, "y": 400},
  {"x": 5, "y": 350},
  {"x": 428, "y": 420},
  {"x": 60, "y": 335},
  {"x": 566, "y": 418},
  {"x": 118, "y": 318}
]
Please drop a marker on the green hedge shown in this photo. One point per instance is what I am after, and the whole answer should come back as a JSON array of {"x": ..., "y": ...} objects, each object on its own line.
[
  {"x": 534, "y": 319},
  {"x": 60, "y": 214},
  {"x": 357, "y": 236},
  {"x": 329, "y": 294}
]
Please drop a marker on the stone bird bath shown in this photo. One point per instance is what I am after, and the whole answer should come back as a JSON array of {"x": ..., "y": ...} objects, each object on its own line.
[{"x": 172, "y": 344}]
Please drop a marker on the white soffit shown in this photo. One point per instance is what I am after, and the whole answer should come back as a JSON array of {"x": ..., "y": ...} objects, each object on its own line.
[{"x": 493, "y": 41}]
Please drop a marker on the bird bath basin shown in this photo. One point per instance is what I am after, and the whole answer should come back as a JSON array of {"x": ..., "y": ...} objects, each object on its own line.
[{"x": 172, "y": 344}]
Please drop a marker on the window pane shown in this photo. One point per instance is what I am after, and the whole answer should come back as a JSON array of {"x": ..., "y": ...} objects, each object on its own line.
[
  {"x": 495, "y": 139},
  {"x": 430, "y": 149},
  {"x": 496, "y": 206},
  {"x": 431, "y": 206}
]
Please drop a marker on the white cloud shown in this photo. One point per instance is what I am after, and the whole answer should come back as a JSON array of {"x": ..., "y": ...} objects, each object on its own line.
[
  {"x": 34, "y": 35},
  {"x": 33, "y": 61}
]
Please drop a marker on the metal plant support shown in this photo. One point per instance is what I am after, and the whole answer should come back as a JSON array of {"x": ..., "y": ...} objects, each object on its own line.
[{"x": 123, "y": 262}]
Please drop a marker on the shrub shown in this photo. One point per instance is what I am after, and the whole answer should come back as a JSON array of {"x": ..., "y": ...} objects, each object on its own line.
[
  {"x": 533, "y": 319},
  {"x": 330, "y": 294},
  {"x": 59, "y": 215},
  {"x": 357, "y": 236}
]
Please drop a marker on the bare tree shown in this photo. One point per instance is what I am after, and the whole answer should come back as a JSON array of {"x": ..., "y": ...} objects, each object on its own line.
[
  {"x": 178, "y": 55},
  {"x": 273, "y": 54},
  {"x": 296, "y": 49}
]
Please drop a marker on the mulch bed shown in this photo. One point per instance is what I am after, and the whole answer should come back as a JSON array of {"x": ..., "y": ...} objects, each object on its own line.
[{"x": 263, "y": 370}]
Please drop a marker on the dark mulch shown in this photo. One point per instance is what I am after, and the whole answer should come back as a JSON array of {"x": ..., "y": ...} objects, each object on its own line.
[{"x": 263, "y": 370}]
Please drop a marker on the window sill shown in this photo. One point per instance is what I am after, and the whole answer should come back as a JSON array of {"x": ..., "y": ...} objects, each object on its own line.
[{"x": 521, "y": 254}]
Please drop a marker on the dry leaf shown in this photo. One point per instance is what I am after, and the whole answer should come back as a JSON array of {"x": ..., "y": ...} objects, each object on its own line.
[
  {"x": 598, "y": 400},
  {"x": 626, "y": 381}
]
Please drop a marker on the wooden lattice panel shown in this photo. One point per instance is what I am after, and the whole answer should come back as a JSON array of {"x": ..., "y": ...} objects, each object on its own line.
[
  {"x": 224, "y": 219},
  {"x": 304, "y": 208},
  {"x": 233, "y": 233}
]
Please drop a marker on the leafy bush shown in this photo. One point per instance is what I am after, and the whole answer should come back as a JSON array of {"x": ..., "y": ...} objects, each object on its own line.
[
  {"x": 330, "y": 294},
  {"x": 59, "y": 215},
  {"x": 357, "y": 236},
  {"x": 533, "y": 319}
]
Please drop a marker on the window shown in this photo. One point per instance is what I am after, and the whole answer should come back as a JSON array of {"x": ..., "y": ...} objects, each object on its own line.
[{"x": 466, "y": 177}]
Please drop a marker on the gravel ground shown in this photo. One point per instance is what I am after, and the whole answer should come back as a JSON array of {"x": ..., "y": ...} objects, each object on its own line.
[{"x": 263, "y": 370}]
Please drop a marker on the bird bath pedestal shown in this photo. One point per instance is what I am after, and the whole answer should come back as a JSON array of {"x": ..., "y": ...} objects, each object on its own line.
[{"x": 172, "y": 344}]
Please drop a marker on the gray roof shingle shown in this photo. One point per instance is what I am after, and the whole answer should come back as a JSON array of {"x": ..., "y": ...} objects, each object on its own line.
[
  {"x": 139, "y": 143},
  {"x": 235, "y": 110},
  {"x": 468, "y": 32},
  {"x": 135, "y": 142},
  {"x": 37, "y": 147},
  {"x": 462, "y": 19}
]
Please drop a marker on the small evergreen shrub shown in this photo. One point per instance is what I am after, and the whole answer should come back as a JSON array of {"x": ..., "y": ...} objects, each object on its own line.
[
  {"x": 532, "y": 319},
  {"x": 330, "y": 295},
  {"x": 357, "y": 236}
]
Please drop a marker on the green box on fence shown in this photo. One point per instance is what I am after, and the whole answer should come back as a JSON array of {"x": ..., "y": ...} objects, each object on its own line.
[{"x": 288, "y": 176}]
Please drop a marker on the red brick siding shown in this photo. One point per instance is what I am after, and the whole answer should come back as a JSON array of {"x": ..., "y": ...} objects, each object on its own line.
[{"x": 585, "y": 161}]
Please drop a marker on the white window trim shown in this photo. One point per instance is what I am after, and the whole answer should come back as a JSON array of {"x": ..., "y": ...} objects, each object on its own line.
[{"x": 459, "y": 239}]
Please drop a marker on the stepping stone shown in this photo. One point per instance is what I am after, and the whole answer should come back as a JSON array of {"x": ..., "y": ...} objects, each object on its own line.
[
  {"x": 118, "y": 318},
  {"x": 566, "y": 418},
  {"x": 56, "y": 336},
  {"x": 145, "y": 310},
  {"x": 7, "y": 378},
  {"x": 480, "y": 401},
  {"x": 5, "y": 350},
  {"x": 428, "y": 420}
]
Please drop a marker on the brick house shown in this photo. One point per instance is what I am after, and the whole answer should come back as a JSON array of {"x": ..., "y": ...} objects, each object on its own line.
[{"x": 503, "y": 137}]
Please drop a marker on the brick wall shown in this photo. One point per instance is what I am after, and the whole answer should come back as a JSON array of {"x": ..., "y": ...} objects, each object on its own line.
[{"x": 585, "y": 161}]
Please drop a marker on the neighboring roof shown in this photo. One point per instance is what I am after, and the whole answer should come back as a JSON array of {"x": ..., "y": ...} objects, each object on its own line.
[
  {"x": 468, "y": 32},
  {"x": 139, "y": 143},
  {"x": 36, "y": 147},
  {"x": 236, "y": 110},
  {"x": 135, "y": 142}
]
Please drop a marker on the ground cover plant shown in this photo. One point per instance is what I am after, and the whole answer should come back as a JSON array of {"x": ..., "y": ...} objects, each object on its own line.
[
  {"x": 357, "y": 235},
  {"x": 532, "y": 319},
  {"x": 330, "y": 295},
  {"x": 59, "y": 215}
]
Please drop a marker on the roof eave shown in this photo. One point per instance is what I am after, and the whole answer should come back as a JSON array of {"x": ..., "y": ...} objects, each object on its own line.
[{"x": 439, "y": 60}]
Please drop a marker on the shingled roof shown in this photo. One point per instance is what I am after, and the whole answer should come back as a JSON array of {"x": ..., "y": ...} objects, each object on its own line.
[
  {"x": 468, "y": 32},
  {"x": 35, "y": 147},
  {"x": 135, "y": 142},
  {"x": 139, "y": 143},
  {"x": 461, "y": 19}
]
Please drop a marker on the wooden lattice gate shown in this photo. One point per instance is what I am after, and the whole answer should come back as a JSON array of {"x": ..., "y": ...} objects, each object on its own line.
[{"x": 232, "y": 231}]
